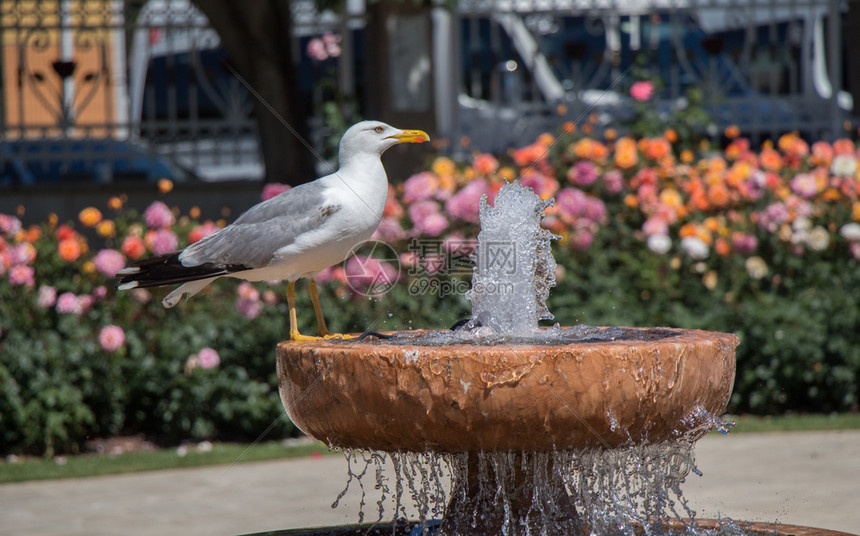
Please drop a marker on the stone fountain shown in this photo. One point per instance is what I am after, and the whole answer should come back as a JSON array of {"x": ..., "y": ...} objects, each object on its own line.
[{"x": 584, "y": 430}]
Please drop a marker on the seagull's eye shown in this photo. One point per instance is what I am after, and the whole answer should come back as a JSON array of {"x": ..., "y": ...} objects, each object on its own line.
[{"x": 378, "y": 130}]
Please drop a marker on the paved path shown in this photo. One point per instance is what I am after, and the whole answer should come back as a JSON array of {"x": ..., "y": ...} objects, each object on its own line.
[{"x": 797, "y": 478}]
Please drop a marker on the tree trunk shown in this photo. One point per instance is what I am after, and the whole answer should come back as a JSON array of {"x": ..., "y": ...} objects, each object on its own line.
[{"x": 257, "y": 38}]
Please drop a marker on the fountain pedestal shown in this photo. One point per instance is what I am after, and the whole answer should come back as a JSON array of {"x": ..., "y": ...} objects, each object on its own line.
[{"x": 476, "y": 509}]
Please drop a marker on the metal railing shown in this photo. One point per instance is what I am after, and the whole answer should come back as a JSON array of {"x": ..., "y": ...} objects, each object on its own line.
[{"x": 152, "y": 76}]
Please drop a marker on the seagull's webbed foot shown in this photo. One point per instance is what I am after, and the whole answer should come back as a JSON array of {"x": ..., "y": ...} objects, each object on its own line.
[
  {"x": 338, "y": 336},
  {"x": 304, "y": 338}
]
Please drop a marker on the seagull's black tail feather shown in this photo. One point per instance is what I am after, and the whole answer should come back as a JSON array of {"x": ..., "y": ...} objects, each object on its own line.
[{"x": 167, "y": 270}]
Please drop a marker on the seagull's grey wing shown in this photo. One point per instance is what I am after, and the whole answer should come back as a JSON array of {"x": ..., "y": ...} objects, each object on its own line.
[{"x": 265, "y": 228}]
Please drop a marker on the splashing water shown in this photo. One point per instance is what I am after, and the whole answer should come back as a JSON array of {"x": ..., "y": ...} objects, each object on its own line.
[
  {"x": 628, "y": 491},
  {"x": 515, "y": 268}
]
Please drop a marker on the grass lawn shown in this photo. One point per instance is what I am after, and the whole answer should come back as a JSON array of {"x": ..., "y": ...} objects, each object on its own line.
[
  {"x": 225, "y": 453},
  {"x": 794, "y": 423},
  {"x": 85, "y": 465}
]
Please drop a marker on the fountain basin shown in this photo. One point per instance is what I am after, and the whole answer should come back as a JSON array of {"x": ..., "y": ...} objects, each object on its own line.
[
  {"x": 507, "y": 397},
  {"x": 751, "y": 528}
]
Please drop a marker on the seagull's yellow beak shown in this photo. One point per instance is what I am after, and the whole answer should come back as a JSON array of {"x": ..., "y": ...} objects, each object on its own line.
[{"x": 411, "y": 136}]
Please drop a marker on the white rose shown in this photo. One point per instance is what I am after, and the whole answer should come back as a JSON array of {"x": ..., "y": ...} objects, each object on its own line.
[
  {"x": 850, "y": 231},
  {"x": 694, "y": 247},
  {"x": 844, "y": 165},
  {"x": 756, "y": 267},
  {"x": 659, "y": 243},
  {"x": 818, "y": 239}
]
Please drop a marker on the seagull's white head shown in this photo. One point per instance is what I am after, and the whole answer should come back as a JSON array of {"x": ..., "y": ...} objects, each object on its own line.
[{"x": 375, "y": 137}]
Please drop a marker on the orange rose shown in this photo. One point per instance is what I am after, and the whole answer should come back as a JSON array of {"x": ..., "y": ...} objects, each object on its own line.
[
  {"x": 770, "y": 160},
  {"x": 69, "y": 249},
  {"x": 106, "y": 229},
  {"x": 65, "y": 232},
  {"x": 843, "y": 146},
  {"x": 625, "y": 153},
  {"x": 718, "y": 194},
  {"x": 33, "y": 234},
  {"x": 90, "y": 216},
  {"x": 133, "y": 247},
  {"x": 165, "y": 185},
  {"x": 115, "y": 203}
]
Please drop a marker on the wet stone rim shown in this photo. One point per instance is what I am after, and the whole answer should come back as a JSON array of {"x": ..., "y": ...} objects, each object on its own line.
[{"x": 470, "y": 398}]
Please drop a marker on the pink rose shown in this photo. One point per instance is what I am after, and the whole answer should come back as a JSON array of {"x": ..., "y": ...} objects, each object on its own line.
[
  {"x": 542, "y": 185},
  {"x": 420, "y": 186},
  {"x": 67, "y": 303},
  {"x": 248, "y": 304},
  {"x": 9, "y": 225},
  {"x": 581, "y": 239},
  {"x": 109, "y": 262},
  {"x": 47, "y": 297},
  {"x": 272, "y": 189},
  {"x": 427, "y": 219},
  {"x": 389, "y": 230},
  {"x": 22, "y": 274},
  {"x": 364, "y": 273},
  {"x": 250, "y": 309},
  {"x": 100, "y": 292},
  {"x": 655, "y": 226},
  {"x": 208, "y": 358},
  {"x": 111, "y": 338},
  {"x": 464, "y": 205},
  {"x": 158, "y": 216},
  {"x": 744, "y": 243},
  {"x": 570, "y": 203},
  {"x": 23, "y": 253},
  {"x": 804, "y": 185},
  {"x": 614, "y": 181},
  {"x": 164, "y": 241},
  {"x": 85, "y": 302},
  {"x": 583, "y": 173},
  {"x": 316, "y": 50},
  {"x": 642, "y": 90}
]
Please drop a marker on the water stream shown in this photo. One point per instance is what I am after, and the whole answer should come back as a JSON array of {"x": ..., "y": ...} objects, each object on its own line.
[
  {"x": 514, "y": 267},
  {"x": 629, "y": 491}
]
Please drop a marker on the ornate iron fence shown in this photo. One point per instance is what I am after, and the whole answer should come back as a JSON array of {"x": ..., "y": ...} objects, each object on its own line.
[{"x": 93, "y": 88}]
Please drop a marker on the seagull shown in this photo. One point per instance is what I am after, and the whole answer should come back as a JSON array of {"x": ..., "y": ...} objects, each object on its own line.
[{"x": 295, "y": 234}]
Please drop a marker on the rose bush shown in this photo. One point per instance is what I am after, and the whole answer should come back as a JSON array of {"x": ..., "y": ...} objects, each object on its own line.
[{"x": 761, "y": 242}]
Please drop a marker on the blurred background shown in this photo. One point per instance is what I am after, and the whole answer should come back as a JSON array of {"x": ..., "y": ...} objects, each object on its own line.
[{"x": 102, "y": 93}]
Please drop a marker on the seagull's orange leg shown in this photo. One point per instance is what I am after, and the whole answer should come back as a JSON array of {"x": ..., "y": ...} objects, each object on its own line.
[
  {"x": 294, "y": 321},
  {"x": 322, "y": 329}
]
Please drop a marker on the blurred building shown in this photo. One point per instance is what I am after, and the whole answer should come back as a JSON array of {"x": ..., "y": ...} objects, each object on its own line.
[
  {"x": 154, "y": 75},
  {"x": 62, "y": 68}
]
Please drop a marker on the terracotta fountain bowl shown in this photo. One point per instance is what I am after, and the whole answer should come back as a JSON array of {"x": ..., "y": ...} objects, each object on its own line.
[{"x": 468, "y": 398}]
